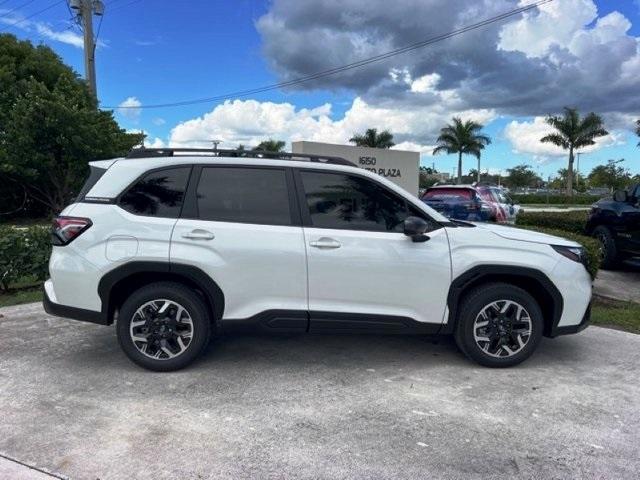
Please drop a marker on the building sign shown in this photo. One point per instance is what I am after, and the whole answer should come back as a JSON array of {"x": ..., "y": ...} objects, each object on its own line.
[{"x": 399, "y": 166}]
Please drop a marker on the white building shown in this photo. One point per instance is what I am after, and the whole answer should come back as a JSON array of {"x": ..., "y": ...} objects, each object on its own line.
[{"x": 399, "y": 166}]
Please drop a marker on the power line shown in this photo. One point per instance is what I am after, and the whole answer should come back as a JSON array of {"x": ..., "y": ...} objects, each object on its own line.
[
  {"x": 350, "y": 66},
  {"x": 18, "y": 8},
  {"x": 18, "y": 22}
]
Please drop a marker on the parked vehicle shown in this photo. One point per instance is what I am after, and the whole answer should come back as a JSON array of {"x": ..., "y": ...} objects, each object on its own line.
[
  {"x": 478, "y": 203},
  {"x": 615, "y": 222},
  {"x": 177, "y": 247}
]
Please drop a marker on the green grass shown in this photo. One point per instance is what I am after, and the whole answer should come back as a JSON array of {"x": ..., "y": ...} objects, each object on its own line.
[
  {"x": 615, "y": 314},
  {"x": 17, "y": 297}
]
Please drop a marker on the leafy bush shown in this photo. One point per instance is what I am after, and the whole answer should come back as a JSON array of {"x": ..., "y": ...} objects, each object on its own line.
[
  {"x": 591, "y": 245},
  {"x": 555, "y": 199},
  {"x": 24, "y": 254},
  {"x": 571, "y": 221}
]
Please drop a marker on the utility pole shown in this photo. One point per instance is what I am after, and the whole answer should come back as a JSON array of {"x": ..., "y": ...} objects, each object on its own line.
[{"x": 86, "y": 9}]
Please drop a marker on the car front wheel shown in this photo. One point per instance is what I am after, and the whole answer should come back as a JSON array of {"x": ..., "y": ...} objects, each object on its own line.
[
  {"x": 608, "y": 250},
  {"x": 499, "y": 325},
  {"x": 163, "y": 326}
]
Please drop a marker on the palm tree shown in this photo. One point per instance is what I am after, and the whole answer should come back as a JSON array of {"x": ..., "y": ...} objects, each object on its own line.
[
  {"x": 373, "y": 139},
  {"x": 572, "y": 133},
  {"x": 462, "y": 137},
  {"x": 271, "y": 145},
  {"x": 638, "y": 129}
]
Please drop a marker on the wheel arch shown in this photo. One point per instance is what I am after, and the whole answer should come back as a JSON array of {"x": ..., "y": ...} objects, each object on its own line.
[
  {"x": 117, "y": 284},
  {"x": 533, "y": 281}
]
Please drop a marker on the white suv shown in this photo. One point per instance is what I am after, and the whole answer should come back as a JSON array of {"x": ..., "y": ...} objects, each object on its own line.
[{"x": 177, "y": 245}]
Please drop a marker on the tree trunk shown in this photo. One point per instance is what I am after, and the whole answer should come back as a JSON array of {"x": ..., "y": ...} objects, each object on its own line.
[
  {"x": 459, "y": 168},
  {"x": 478, "y": 180},
  {"x": 570, "y": 173}
]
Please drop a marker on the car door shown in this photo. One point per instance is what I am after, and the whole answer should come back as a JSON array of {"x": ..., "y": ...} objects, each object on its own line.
[
  {"x": 241, "y": 227},
  {"x": 364, "y": 273}
]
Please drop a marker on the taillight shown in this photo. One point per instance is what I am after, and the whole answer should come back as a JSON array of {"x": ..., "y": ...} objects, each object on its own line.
[{"x": 66, "y": 229}]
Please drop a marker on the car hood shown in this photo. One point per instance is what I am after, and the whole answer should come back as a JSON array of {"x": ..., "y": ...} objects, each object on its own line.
[{"x": 513, "y": 233}]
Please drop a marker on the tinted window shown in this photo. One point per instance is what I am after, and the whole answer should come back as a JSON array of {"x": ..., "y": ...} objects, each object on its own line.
[
  {"x": 448, "y": 194},
  {"x": 245, "y": 195},
  {"x": 158, "y": 194},
  {"x": 351, "y": 202},
  {"x": 95, "y": 174}
]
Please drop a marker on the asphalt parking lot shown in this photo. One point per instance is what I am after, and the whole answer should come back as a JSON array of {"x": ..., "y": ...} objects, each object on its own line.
[{"x": 315, "y": 407}]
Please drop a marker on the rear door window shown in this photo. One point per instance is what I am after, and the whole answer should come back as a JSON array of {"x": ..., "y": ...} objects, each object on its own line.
[
  {"x": 244, "y": 195},
  {"x": 157, "y": 194}
]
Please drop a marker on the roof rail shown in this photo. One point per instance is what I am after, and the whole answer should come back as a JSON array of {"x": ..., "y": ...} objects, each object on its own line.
[{"x": 171, "y": 152}]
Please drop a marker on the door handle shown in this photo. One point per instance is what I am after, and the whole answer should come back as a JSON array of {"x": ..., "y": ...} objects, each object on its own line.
[
  {"x": 325, "y": 242},
  {"x": 199, "y": 235}
]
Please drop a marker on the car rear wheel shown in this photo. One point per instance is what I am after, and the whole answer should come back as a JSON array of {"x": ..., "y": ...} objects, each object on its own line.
[
  {"x": 608, "y": 250},
  {"x": 163, "y": 326},
  {"x": 499, "y": 325}
]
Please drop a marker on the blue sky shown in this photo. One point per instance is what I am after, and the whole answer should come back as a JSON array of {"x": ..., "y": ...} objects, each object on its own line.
[{"x": 160, "y": 51}]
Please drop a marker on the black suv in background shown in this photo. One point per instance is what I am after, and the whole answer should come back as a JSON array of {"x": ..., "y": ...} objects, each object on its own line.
[{"x": 615, "y": 222}]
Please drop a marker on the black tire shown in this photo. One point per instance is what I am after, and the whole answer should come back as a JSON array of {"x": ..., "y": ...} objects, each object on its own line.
[
  {"x": 470, "y": 309},
  {"x": 200, "y": 327},
  {"x": 608, "y": 251}
]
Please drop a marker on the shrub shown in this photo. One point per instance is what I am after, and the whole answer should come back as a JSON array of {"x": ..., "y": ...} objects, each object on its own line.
[
  {"x": 24, "y": 254},
  {"x": 591, "y": 245},
  {"x": 571, "y": 221},
  {"x": 555, "y": 199}
]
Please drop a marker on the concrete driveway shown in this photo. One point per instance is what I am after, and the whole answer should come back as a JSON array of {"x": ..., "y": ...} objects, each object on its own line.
[
  {"x": 621, "y": 284},
  {"x": 316, "y": 407}
]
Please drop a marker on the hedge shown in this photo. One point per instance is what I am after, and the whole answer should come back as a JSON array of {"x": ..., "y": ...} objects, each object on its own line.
[
  {"x": 554, "y": 199},
  {"x": 591, "y": 245},
  {"x": 571, "y": 221},
  {"x": 24, "y": 255}
]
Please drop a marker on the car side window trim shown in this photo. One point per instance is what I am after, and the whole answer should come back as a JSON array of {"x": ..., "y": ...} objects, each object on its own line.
[
  {"x": 306, "y": 214},
  {"x": 190, "y": 209}
]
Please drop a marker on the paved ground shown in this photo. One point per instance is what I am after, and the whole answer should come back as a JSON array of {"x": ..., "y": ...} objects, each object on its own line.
[
  {"x": 622, "y": 284},
  {"x": 316, "y": 407}
]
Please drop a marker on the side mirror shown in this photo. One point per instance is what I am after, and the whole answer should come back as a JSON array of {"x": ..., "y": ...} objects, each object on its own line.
[
  {"x": 620, "y": 196},
  {"x": 415, "y": 227}
]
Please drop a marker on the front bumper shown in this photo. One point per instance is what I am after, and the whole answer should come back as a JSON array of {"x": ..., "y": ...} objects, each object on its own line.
[
  {"x": 58, "y": 310},
  {"x": 569, "y": 329}
]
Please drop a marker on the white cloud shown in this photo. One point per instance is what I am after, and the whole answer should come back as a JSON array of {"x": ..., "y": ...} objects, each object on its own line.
[
  {"x": 129, "y": 108},
  {"x": 525, "y": 139},
  {"x": 155, "y": 143},
  {"x": 554, "y": 23},
  {"x": 249, "y": 122},
  {"x": 43, "y": 29},
  {"x": 158, "y": 121},
  {"x": 425, "y": 83}
]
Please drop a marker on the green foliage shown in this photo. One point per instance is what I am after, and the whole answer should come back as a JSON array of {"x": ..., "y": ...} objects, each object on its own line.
[
  {"x": 50, "y": 124},
  {"x": 572, "y": 221},
  {"x": 371, "y": 138},
  {"x": 610, "y": 176},
  {"x": 24, "y": 254},
  {"x": 270, "y": 145},
  {"x": 525, "y": 199},
  {"x": 591, "y": 245},
  {"x": 522, "y": 176},
  {"x": 638, "y": 129}
]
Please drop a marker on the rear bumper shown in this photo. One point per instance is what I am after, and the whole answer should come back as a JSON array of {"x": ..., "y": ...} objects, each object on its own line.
[
  {"x": 569, "y": 329},
  {"x": 58, "y": 310}
]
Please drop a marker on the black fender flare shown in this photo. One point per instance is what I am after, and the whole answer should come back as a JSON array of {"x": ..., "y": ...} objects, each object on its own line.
[
  {"x": 163, "y": 270},
  {"x": 552, "y": 305}
]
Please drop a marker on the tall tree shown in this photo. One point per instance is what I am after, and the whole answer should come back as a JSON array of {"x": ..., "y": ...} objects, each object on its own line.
[
  {"x": 271, "y": 145},
  {"x": 50, "y": 126},
  {"x": 572, "y": 133},
  {"x": 462, "y": 138},
  {"x": 371, "y": 138},
  {"x": 610, "y": 176},
  {"x": 638, "y": 129}
]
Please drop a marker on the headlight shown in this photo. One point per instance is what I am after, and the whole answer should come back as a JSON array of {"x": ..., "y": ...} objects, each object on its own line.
[{"x": 577, "y": 254}]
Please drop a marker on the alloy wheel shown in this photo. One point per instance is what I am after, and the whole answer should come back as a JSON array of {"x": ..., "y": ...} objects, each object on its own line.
[
  {"x": 161, "y": 329},
  {"x": 502, "y": 328}
]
